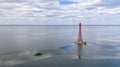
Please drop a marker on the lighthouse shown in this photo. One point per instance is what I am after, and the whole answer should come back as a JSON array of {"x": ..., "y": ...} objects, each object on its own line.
[
  {"x": 79, "y": 34},
  {"x": 80, "y": 41}
]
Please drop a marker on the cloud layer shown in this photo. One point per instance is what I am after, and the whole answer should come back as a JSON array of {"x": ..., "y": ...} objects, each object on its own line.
[{"x": 57, "y": 11}]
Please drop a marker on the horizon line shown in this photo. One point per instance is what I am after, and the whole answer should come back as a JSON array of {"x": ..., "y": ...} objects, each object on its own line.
[{"x": 57, "y": 25}]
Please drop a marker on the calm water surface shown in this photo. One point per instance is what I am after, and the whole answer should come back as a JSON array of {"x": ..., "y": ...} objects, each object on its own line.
[{"x": 18, "y": 44}]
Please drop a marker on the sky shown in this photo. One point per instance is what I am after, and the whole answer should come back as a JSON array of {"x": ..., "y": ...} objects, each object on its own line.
[{"x": 59, "y": 12}]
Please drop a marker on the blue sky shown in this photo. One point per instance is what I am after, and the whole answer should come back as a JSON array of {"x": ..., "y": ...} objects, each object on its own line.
[
  {"x": 59, "y": 12},
  {"x": 66, "y": 2}
]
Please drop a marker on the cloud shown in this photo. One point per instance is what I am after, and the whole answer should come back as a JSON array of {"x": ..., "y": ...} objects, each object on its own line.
[
  {"x": 42, "y": 11},
  {"x": 12, "y": 1},
  {"x": 109, "y": 11},
  {"x": 109, "y": 3},
  {"x": 15, "y": 9}
]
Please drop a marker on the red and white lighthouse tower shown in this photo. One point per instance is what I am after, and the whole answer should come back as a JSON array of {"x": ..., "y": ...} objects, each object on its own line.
[
  {"x": 80, "y": 41},
  {"x": 80, "y": 33}
]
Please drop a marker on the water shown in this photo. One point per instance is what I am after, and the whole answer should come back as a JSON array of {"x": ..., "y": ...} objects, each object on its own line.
[{"x": 18, "y": 44}]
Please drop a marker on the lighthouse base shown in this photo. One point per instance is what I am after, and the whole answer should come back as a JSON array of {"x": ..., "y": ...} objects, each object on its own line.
[{"x": 81, "y": 43}]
